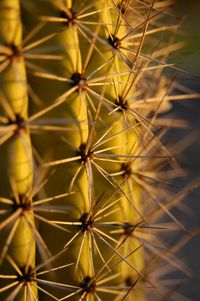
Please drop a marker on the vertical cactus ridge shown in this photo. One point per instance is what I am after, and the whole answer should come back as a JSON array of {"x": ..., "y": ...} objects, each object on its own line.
[
  {"x": 11, "y": 30},
  {"x": 76, "y": 110},
  {"x": 20, "y": 167}
]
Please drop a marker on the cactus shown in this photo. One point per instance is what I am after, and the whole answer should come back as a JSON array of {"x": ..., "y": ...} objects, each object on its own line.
[{"x": 84, "y": 202}]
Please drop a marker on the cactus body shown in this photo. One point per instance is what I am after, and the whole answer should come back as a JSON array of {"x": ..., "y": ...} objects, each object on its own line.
[{"x": 81, "y": 90}]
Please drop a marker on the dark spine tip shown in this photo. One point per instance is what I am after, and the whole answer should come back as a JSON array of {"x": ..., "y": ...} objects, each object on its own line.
[
  {"x": 69, "y": 16},
  {"x": 88, "y": 285},
  {"x": 114, "y": 42},
  {"x": 24, "y": 203},
  {"x": 26, "y": 276},
  {"x": 86, "y": 222},
  {"x": 82, "y": 153}
]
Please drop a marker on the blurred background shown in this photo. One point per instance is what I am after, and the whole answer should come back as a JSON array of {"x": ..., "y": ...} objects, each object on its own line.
[
  {"x": 189, "y": 60},
  {"x": 189, "y": 11}
]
